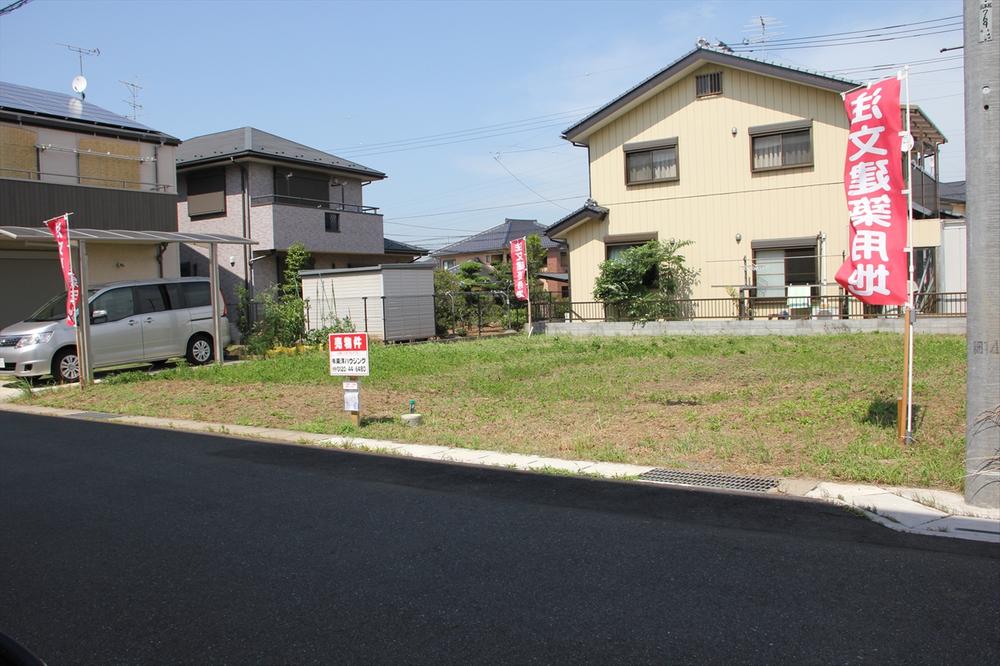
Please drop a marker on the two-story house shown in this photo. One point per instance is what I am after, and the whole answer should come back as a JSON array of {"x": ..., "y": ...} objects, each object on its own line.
[
  {"x": 742, "y": 157},
  {"x": 61, "y": 154},
  {"x": 492, "y": 247},
  {"x": 253, "y": 184}
]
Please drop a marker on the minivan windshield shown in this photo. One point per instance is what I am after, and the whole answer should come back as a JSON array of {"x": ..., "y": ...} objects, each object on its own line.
[{"x": 54, "y": 309}]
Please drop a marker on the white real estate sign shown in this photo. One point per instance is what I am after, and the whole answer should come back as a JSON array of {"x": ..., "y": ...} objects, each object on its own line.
[{"x": 348, "y": 354}]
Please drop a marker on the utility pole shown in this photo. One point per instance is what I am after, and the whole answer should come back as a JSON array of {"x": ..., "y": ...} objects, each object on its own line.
[{"x": 982, "y": 173}]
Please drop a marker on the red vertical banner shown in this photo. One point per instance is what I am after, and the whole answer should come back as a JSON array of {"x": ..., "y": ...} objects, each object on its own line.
[
  {"x": 877, "y": 269},
  {"x": 59, "y": 226},
  {"x": 519, "y": 268}
]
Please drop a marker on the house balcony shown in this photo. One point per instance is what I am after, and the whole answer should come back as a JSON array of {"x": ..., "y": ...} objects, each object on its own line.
[
  {"x": 313, "y": 203},
  {"x": 28, "y": 202},
  {"x": 322, "y": 226}
]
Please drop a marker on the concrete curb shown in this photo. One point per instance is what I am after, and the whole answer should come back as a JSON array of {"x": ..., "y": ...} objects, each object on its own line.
[
  {"x": 518, "y": 461},
  {"x": 914, "y": 510}
]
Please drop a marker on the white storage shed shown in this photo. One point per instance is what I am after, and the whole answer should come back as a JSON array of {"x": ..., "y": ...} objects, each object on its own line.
[{"x": 394, "y": 302}]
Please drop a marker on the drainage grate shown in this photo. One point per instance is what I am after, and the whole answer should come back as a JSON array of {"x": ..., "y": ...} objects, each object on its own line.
[{"x": 708, "y": 480}]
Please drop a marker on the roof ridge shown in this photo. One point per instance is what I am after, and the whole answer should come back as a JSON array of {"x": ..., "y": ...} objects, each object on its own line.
[{"x": 621, "y": 99}]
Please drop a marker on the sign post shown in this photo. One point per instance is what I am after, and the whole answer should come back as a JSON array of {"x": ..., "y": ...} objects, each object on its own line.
[{"x": 349, "y": 358}]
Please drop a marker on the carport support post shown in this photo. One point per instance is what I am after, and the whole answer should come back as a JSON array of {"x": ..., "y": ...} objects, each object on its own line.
[
  {"x": 83, "y": 319},
  {"x": 213, "y": 271}
]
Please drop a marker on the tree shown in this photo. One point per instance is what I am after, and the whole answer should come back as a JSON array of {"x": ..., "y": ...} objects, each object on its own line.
[
  {"x": 282, "y": 320},
  {"x": 645, "y": 282},
  {"x": 474, "y": 276},
  {"x": 446, "y": 285},
  {"x": 297, "y": 258}
]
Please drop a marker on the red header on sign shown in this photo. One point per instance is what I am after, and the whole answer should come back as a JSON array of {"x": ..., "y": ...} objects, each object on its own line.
[
  {"x": 876, "y": 270},
  {"x": 348, "y": 342},
  {"x": 59, "y": 226},
  {"x": 519, "y": 268}
]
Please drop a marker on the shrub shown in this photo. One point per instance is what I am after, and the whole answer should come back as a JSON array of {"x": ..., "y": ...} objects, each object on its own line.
[
  {"x": 319, "y": 336},
  {"x": 282, "y": 310},
  {"x": 643, "y": 283}
]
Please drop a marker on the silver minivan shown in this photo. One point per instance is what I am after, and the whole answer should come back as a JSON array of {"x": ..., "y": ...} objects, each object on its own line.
[{"x": 140, "y": 321}]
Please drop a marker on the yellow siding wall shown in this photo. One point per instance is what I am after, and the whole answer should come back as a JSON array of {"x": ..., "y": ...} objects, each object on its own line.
[
  {"x": 111, "y": 262},
  {"x": 717, "y": 195}
]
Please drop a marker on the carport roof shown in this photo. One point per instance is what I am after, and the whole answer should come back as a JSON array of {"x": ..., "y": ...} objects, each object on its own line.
[{"x": 122, "y": 236}]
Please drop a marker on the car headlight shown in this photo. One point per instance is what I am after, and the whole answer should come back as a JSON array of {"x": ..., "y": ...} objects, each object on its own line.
[{"x": 34, "y": 339}]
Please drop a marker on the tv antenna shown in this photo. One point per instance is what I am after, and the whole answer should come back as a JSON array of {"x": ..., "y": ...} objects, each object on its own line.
[
  {"x": 766, "y": 27},
  {"x": 79, "y": 83},
  {"x": 133, "y": 89}
]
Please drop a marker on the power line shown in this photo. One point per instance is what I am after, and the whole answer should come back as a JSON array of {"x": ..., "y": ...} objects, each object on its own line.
[
  {"x": 487, "y": 185},
  {"x": 12, "y": 6},
  {"x": 859, "y": 32},
  {"x": 534, "y": 120},
  {"x": 528, "y": 187},
  {"x": 874, "y": 40},
  {"x": 892, "y": 65},
  {"x": 927, "y": 71},
  {"x": 564, "y": 144},
  {"x": 579, "y": 197},
  {"x": 359, "y": 155}
]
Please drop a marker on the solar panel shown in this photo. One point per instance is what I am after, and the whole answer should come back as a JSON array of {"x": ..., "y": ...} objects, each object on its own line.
[{"x": 32, "y": 100}]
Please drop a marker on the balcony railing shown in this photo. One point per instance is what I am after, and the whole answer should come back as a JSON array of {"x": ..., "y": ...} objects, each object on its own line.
[
  {"x": 270, "y": 199},
  {"x": 94, "y": 181}
]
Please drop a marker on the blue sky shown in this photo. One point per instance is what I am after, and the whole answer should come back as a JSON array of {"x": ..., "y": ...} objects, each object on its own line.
[{"x": 395, "y": 85}]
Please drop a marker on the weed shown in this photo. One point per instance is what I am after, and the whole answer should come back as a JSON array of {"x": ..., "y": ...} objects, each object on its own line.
[{"x": 24, "y": 385}]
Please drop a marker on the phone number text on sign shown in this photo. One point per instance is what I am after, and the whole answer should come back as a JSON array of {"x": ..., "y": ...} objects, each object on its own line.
[{"x": 349, "y": 354}]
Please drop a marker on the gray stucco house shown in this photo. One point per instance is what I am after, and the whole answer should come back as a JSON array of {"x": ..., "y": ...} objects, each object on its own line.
[{"x": 250, "y": 183}]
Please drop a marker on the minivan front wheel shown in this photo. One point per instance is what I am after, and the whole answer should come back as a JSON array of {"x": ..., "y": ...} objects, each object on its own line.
[
  {"x": 199, "y": 351},
  {"x": 66, "y": 366}
]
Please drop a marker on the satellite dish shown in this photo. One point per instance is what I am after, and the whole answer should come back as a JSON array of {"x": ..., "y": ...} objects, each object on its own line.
[{"x": 79, "y": 84}]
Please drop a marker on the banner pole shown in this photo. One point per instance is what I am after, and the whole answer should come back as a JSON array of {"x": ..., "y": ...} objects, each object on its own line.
[
  {"x": 80, "y": 356},
  {"x": 908, "y": 320},
  {"x": 527, "y": 286}
]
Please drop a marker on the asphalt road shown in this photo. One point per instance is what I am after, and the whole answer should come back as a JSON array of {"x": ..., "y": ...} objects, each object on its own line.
[{"x": 128, "y": 545}]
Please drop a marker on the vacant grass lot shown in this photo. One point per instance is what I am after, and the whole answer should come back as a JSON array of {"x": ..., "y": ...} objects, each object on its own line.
[{"x": 818, "y": 406}]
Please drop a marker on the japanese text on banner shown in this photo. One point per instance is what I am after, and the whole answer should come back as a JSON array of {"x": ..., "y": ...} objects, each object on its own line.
[
  {"x": 876, "y": 269},
  {"x": 59, "y": 226},
  {"x": 519, "y": 268}
]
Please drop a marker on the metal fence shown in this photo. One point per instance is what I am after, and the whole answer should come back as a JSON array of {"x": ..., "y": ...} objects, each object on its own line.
[
  {"x": 455, "y": 313},
  {"x": 935, "y": 304},
  {"x": 486, "y": 313}
]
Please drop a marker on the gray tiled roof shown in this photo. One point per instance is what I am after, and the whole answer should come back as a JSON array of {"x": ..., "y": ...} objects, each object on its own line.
[
  {"x": 498, "y": 238},
  {"x": 44, "y": 104},
  {"x": 251, "y": 141},
  {"x": 953, "y": 191},
  {"x": 402, "y": 248},
  {"x": 587, "y": 211}
]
